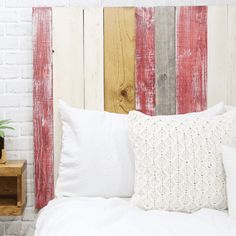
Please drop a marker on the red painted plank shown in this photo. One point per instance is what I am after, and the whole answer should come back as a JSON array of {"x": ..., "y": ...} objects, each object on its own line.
[
  {"x": 145, "y": 60},
  {"x": 191, "y": 59},
  {"x": 43, "y": 105}
]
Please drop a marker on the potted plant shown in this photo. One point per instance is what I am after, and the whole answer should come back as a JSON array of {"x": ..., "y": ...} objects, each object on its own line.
[{"x": 4, "y": 124}]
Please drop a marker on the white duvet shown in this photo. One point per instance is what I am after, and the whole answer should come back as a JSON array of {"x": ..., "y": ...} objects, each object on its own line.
[{"x": 118, "y": 217}]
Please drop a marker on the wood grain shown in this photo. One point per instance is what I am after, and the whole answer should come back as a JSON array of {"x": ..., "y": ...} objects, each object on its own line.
[
  {"x": 93, "y": 59},
  {"x": 119, "y": 53},
  {"x": 145, "y": 60},
  {"x": 191, "y": 59},
  {"x": 8, "y": 185},
  {"x": 68, "y": 67},
  {"x": 231, "y": 79},
  {"x": 218, "y": 55},
  {"x": 12, "y": 168},
  {"x": 23, "y": 189},
  {"x": 43, "y": 105},
  {"x": 165, "y": 60},
  {"x": 12, "y": 188}
]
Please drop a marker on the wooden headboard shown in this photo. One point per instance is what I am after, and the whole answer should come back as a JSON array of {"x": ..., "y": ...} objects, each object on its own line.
[{"x": 159, "y": 60}]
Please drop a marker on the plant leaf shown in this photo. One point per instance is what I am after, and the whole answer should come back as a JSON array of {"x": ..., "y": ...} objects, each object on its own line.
[
  {"x": 6, "y": 127},
  {"x": 5, "y": 122}
]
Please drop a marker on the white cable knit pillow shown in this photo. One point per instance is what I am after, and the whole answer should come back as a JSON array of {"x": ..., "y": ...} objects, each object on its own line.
[{"x": 178, "y": 162}]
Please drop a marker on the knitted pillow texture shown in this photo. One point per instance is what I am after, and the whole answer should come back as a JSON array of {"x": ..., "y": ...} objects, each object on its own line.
[{"x": 178, "y": 162}]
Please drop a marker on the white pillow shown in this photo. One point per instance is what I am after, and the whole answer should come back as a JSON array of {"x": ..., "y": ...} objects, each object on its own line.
[
  {"x": 178, "y": 162},
  {"x": 97, "y": 157},
  {"x": 229, "y": 107},
  {"x": 229, "y": 160},
  {"x": 217, "y": 109}
]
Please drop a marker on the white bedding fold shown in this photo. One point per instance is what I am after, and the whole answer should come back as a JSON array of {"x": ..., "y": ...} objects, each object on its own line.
[{"x": 118, "y": 217}]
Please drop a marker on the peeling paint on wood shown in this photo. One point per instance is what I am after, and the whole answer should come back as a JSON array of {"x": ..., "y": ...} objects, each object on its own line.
[
  {"x": 191, "y": 59},
  {"x": 145, "y": 60},
  {"x": 43, "y": 106}
]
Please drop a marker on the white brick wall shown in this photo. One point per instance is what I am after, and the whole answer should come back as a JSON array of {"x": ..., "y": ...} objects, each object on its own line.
[{"x": 16, "y": 84}]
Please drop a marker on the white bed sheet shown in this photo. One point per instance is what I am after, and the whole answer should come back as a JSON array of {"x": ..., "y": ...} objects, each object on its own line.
[{"x": 118, "y": 217}]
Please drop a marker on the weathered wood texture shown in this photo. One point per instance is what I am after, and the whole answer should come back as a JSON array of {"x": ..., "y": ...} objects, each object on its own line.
[
  {"x": 43, "y": 105},
  {"x": 218, "y": 54},
  {"x": 145, "y": 60},
  {"x": 119, "y": 53},
  {"x": 68, "y": 66},
  {"x": 165, "y": 60},
  {"x": 93, "y": 59},
  {"x": 231, "y": 80},
  {"x": 191, "y": 59}
]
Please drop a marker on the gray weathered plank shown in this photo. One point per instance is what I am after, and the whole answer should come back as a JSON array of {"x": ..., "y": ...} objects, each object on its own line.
[{"x": 165, "y": 60}]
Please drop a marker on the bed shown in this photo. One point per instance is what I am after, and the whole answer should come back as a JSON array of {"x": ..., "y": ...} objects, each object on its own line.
[
  {"x": 117, "y": 216},
  {"x": 107, "y": 215}
]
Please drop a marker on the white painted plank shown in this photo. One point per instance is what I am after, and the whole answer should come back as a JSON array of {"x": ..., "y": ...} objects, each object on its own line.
[
  {"x": 218, "y": 55},
  {"x": 231, "y": 80},
  {"x": 68, "y": 81},
  {"x": 93, "y": 58}
]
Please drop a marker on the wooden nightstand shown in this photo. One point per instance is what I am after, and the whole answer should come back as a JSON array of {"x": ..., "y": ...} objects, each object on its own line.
[{"x": 12, "y": 188}]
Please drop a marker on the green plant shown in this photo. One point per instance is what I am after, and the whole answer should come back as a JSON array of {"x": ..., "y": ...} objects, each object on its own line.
[{"x": 3, "y": 126}]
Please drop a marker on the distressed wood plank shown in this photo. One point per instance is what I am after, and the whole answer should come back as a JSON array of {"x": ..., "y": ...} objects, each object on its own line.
[
  {"x": 145, "y": 60},
  {"x": 218, "y": 55},
  {"x": 119, "y": 52},
  {"x": 93, "y": 58},
  {"x": 191, "y": 59},
  {"x": 165, "y": 60},
  {"x": 68, "y": 79},
  {"x": 231, "y": 79},
  {"x": 43, "y": 105}
]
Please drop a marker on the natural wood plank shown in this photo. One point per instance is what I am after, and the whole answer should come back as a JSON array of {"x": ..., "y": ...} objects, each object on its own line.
[
  {"x": 231, "y": 79},
  {"x": 218, "y": 54},
  {"x": 43, "y": 105},
  {"x": 165, "y": 60},
  {"x": 93, "y": 58},
  {"x": 68, "y": 72},
  {"x": 12, "y": 168},
  {"x": 23, "y": 188},
  {"x": 119, "y": 53},
  {"x": 8, "y": 185},
  {"x": 12, "y": 190},
  {"x": 145, "y": 60},
  {"x": 19, "y": 199},
  {"x": 191, "y": 59},
  {"x": 10, "y": 210}
]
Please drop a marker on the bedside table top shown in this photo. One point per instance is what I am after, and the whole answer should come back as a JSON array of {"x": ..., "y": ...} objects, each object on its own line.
[{"x": 12, "y": 168}]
